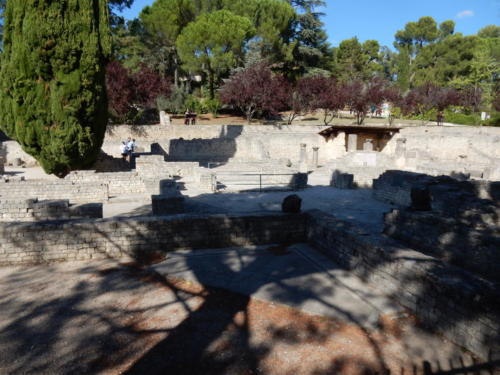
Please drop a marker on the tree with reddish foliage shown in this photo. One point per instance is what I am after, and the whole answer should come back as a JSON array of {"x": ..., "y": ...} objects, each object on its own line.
[
  {"x": 362, "y": 96},
  {"x": 471, "y": 98},
  {"x": 323, "y": 93},
  {"x": 149, "y": 85},
  {"x": 128, "y": 92},
  {"x": 255, "y": 89},
  {"x": 120, "y": 89},
  {"x": 429, "y": 96}
]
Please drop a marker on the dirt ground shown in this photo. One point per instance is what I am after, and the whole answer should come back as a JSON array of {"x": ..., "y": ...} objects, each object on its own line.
[
  {"x": 111, "y": 318},
  {"x": 309, "y": 118}
]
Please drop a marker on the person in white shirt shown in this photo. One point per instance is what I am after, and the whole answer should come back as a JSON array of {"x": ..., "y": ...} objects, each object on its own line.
[
  {"x": 124, "y": 150},
  {"x": 130, "y": 148}
]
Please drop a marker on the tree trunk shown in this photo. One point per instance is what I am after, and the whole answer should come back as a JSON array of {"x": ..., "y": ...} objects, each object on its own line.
[{"x": 211, "y": 83}]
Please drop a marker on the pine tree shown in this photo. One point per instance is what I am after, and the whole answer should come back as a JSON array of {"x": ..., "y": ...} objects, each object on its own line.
[{"x": 52, "y": 80}]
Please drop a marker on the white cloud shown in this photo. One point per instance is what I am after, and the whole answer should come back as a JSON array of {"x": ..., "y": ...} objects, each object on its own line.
[{"x": 465, "y": 13}]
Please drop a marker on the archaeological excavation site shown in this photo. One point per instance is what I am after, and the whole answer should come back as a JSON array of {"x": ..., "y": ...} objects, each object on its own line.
[{"x": 218, "y": 248}]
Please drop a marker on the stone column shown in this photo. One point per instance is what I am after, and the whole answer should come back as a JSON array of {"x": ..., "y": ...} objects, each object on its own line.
[
  {"x": 368, "y": 145},
  {"x": 315, "y": 157},
  {"x": 303, "y": 158},
  {"x": 164, "y": 118},
  {"x": 2, "y": 159},
  {"x": 400, "y": 147},
  {"x": 352, "y": 142}
]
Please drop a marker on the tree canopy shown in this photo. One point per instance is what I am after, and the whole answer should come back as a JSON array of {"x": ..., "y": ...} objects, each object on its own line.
[{"x": 53, "y": 98}]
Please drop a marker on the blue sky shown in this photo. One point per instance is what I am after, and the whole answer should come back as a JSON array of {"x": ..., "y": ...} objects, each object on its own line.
[{"x": 379, "y": 20}]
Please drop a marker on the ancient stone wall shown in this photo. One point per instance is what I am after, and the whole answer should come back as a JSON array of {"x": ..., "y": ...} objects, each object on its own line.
[
  {"x": 447, "y": 299},
  {"x": 224, "y": 142},
  {"x": 83, "y": 240},
  {"x": 468, "y": 240},
  {"x": 395, "y": 186},
  {"x": 117, "y": 182},
  {"x": 438, "y": 150},
  {"x": 124, "y": 183},
  {"x": 75, "y": 192},
  {"x": 21, "y": 210},
  {"x": 13, "y": 151}
]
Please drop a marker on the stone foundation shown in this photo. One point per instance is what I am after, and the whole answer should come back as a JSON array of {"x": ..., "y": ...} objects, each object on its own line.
[
  {"x": 22, "y": 210},
  {"x": 472, "y": 243},
  {"x": 395, "y": 186},
  {"x": 167, "y": 204},
  {"x": 74, "y": 192},
  {"x": 98, "y": 239},
  {"x": 446, "y": 299}
]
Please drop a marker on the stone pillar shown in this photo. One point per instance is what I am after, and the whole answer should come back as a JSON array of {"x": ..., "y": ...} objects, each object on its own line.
[
  {"x": 352, "y": 142},
  {"x": 303, "y": 158},
  {"x": 368, "y": 145},
  {"x": 400, "y": 147},
  {"x": 315, "y": 157},
  {"x": 2, "y": 159},
  {"x": 164, "y": 119}
]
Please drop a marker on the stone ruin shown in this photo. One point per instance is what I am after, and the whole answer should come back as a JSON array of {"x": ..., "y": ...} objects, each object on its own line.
[
  {"x": 438, "y": 255},
  {"x": 455, "y": 221},
  {"x": 26, "y": 210}
]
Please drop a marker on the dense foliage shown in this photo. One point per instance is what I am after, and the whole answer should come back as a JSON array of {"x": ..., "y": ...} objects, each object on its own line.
[
  {"x": 52, "y": 80},
  {"x": 201, "y": 43},
  {"x": 255, "y": 89}
]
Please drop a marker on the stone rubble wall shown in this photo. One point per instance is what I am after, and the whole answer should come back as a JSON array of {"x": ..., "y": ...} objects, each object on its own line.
[
  {"x": 118, "y": 182},
  {"x": 223, "y": 142},
  {"x": 30, "y": 243},
  {"x": 395, "y": 187},
  {"x": 447, "y": 150},
  {"x": 471, "y": 242},
  {"x": 12, "y": 150},
  {"x": 75, "y": 192},
  {"x": 447, "y": 299},
  {"x": 126, "y": 183},
  {"x": 156, "y": 166},
  {"x": 26, "y": 210}
]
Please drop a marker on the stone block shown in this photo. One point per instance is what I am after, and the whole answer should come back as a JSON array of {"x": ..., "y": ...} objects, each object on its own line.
[
  {"x": 342, "y": 180},
  {"x": 291, "y": 204},
  {"x": 168, "y": 204}
]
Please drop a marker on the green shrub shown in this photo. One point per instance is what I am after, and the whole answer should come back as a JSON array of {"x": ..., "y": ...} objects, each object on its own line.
[
  {"x": 462, "y": 118},
  {"x": 195, "y": 105},
  {"x": 176, "y": 103},
  {"x": 212, "y": 106},
  {"x": 494, "y": 120}
]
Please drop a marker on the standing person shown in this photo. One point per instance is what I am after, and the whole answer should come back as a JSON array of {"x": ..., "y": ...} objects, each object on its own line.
[
  {"x": 130, "y": 148},
  {"x": 124, "y": 150},
  {"x": 440, "y": 118},
  {"x": 186, "y": 117}
]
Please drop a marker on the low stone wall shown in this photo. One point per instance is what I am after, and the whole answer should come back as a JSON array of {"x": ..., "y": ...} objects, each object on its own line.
[
  {"x": 447, "y": 299},
  {"x": 395, "y": 187},
  {"x": 155, "y": 165},
  {"x": 75, "y": 192},
  {"x": 120, "y": 183},
  {"x": 13, "y": 150},
  {"x": 97, "y": 239},
  {"x": 21, "y": 210},
  {"x": 470, "y": 242},
  {"x": 117, "y": 182}
]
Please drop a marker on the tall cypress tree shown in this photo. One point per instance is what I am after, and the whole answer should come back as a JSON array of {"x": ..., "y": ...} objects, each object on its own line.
[{"x": 52, "y": 84}]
